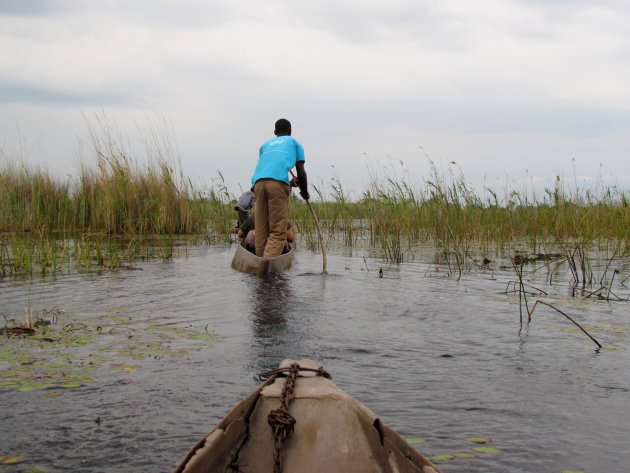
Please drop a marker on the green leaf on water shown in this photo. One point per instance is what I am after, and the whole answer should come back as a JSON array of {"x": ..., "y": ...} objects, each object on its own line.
[
  {"x": 414, "y": 440},
  {"x": 13, "y": 460},
  {"x": 123, "y": 367},
  {"x": 478, "y": 439},
  {"x": 486, "y": 449},
  {"x": 444, "y": 457},
  {"x": 464, "y": 455},
  {"x": 81, "y": 345},
  {"x": 71, "y": 385}
]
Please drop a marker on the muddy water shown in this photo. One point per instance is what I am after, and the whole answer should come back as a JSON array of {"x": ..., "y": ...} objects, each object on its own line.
[{"x": 434, "y": 356}]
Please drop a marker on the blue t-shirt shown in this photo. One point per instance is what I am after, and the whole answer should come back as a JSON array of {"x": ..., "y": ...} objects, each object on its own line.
[{"x": 276, "y": 157}]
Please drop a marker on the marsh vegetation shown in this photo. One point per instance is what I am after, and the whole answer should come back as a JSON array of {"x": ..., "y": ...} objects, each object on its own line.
[{"x": 118, "y": 208}]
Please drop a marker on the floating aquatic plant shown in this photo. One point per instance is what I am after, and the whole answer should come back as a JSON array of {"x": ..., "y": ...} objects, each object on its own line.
[
  {"x": 11, "y": 460},
  {"x": 415, "y": 440},
  {"x": 65, "y": 350},
  {"x": 486, "y": 449}
]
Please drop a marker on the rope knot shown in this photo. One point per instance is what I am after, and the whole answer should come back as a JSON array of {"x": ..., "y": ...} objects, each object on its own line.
[
  {"x": 280, "y": 420},
  {"x": 282, "y": 423}
]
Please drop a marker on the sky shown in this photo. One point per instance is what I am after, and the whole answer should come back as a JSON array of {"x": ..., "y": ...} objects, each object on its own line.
[{"x": 507, "y": 93}]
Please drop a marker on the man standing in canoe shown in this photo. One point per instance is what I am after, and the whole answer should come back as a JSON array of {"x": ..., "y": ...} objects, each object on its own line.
[{"x": 272, "y": 188}]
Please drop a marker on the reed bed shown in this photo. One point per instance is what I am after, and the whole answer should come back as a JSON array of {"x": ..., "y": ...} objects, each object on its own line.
[
  {"x": 115, "y": 197},
  {"x": 45, "y": 219},
  {"x": 119, "y": 195},
  {"x": 397, "y": 215}
]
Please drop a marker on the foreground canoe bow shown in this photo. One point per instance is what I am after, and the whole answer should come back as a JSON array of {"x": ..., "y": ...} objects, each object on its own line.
[
  {"x": 248, "y": 262},
  {"x": 298, "y": 421}
]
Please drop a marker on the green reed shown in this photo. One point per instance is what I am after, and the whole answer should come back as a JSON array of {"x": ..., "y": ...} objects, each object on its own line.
[
  {"x": 444, "y": 210},
  {"x": 115, "y": 194},
  {"x": 112, "y": 194}
]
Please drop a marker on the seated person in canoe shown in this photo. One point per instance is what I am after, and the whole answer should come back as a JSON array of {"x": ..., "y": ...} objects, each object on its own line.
[{"x": 247, "y": 232}]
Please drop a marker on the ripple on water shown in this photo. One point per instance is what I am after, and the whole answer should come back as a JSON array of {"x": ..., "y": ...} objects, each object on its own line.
[{"x": 434, "y": 356}]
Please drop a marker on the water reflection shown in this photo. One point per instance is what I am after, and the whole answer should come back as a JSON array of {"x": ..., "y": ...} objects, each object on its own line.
[
  {"x": 541, "y": 393},
  {"x": 270, "y": 300}
]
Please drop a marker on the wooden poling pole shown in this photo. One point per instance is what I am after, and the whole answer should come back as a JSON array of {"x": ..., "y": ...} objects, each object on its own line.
[{"x": 319, "y": 232}]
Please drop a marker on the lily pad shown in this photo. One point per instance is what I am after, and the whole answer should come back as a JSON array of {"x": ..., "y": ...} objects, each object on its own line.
[
  {"x": 486, "y": 449},
  {"x": 68, "y": 351},
  {"x": 123, "y": 367},
  {"x": 464, "y": 455},
  {"x": 444, "y": 457},
  {"x": 415, "y": 440},
  {"x": 12, "y": 460}
]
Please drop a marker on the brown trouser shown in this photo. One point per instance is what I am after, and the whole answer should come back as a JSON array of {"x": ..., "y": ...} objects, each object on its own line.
[{"x": 271, "y": 217}]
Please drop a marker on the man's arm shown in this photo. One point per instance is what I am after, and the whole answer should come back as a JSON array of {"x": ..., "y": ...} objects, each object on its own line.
[{"x": 302, "y": 180}]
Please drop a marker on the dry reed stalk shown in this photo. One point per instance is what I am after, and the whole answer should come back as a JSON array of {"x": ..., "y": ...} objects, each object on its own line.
[
  {"x": 321, "y": 237},
  {"x": 567, "y": 316}
]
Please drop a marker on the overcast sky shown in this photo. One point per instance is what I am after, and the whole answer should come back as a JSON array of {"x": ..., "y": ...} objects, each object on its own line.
[{"x": 509, "y": 90}]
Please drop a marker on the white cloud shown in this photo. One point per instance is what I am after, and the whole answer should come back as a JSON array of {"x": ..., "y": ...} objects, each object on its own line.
[{"x": 536, "y": 81}]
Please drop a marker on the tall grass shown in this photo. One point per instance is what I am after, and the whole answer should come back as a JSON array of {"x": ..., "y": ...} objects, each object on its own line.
[
  {"x": 113, "y": 193},
  {"x": 444, "y": 210}
]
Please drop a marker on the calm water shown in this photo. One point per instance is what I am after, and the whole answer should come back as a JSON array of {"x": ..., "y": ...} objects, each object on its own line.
[{"x": 435, "y": 357}]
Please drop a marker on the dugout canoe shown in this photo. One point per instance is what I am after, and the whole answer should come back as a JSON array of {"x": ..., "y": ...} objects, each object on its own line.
[
  {"x": 248, "y": 262},
  {"x": 332, "y": 432}
]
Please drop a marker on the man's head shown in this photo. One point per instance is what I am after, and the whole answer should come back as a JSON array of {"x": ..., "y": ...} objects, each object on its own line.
[{"x": 283, "y": 127}]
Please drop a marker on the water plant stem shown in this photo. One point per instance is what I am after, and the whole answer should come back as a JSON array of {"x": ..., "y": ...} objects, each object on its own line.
[
  {"x": 567, "y": 316},
  {"x": 522, "y": 294},
  {"x": 321, "y": 237}
]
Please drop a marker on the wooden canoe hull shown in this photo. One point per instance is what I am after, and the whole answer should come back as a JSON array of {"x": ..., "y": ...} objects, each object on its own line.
[
  {"x": 333, "y": 432},
  {"x": 248, "y": 262}
]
